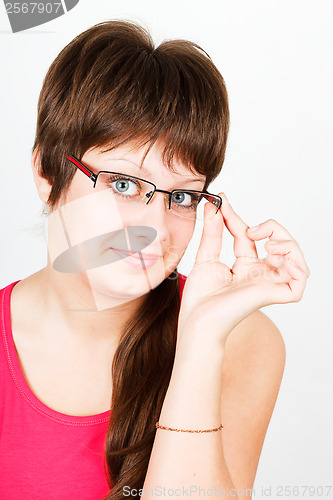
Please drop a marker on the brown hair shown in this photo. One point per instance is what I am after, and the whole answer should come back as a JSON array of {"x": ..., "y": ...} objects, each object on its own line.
[{"x": 109, "y": 86}]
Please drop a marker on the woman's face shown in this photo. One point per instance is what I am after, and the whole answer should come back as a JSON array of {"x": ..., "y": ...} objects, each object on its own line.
[{"x": 91, "y": 227}]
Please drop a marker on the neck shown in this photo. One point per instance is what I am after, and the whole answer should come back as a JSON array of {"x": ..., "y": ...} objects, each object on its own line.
[{"x": 66, "y": 305}]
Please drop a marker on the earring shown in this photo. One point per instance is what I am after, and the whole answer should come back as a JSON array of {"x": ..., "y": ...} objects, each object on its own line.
[{"x": 46, "y": 209}]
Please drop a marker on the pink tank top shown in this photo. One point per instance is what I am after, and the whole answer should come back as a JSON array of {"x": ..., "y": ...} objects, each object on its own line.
[{"x": 45, "y": 454}]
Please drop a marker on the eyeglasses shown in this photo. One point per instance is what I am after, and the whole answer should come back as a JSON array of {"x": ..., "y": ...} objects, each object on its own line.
[{"x": 132, "y": 192}]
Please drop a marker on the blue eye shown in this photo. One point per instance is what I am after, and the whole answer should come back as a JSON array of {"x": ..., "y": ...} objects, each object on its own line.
[
  {"x": 191, "y": 199},
  {"x": 180, "y": 196},
  {"x": 123, "y": 186}
]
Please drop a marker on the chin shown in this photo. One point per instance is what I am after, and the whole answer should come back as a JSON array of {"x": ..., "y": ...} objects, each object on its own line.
[{"x": 122, "y": 285}]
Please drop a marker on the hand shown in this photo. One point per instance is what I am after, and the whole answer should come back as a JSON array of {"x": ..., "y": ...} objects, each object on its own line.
[{"x": 216, "y": 298}]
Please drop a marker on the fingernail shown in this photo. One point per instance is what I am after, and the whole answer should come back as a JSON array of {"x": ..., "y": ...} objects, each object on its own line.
[
  {"x": 253, "y": 228},
  {"x": 293, "y": 263},
  {"x": 272, "y": 242},
  {"x": 225, "y": 197}
]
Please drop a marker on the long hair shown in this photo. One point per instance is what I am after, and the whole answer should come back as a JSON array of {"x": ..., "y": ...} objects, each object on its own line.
[{"x": 108, "y": 86}]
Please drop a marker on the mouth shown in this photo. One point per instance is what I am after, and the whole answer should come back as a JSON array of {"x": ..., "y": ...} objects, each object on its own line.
[
  {"x": 146, "y": 256},
  {"x": 135, "y": 260}
]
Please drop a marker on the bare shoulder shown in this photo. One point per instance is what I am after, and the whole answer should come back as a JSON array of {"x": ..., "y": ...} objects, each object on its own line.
[
  {"x": 255, "y": 338},
  {"x": 253, "y": 368}
]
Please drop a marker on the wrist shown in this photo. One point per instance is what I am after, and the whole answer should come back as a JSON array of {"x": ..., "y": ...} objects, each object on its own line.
[
  {"x": 193, "y": 329},
  {"x": 195, "y": 344}
]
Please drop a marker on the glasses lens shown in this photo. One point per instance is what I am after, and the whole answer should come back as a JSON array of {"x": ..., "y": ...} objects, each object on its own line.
[
  {"x": 132, "y": 193},
  {"x": 191, "y": 204},
  {"x": 125, "y": 189}
]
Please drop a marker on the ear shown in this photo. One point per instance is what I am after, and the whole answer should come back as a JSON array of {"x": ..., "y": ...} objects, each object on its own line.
[{"x": 42, "y": 184}]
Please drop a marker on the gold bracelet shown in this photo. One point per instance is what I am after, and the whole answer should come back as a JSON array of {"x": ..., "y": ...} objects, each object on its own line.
[{"x": 158, "y": 426}]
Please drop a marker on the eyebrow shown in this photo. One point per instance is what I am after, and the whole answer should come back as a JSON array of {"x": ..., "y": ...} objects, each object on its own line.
[{"x": 145, "y": 171}]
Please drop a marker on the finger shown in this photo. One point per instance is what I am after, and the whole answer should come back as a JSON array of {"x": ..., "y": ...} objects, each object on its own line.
[
  {"x": 276, "y": 261},
  {"x": 243, "y": 245},
  {"x": 293, "y": 289},
  {"x": 289, "y": 248},
  {"x": 269, "y": 229},
  {"x": 211, "y": 239}
]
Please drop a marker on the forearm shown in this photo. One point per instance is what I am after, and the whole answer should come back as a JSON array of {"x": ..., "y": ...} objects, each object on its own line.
[{"x": 192, "y": 401}]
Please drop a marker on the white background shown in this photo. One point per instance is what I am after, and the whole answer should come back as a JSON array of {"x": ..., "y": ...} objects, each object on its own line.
[{"x": 276, "y": 58}]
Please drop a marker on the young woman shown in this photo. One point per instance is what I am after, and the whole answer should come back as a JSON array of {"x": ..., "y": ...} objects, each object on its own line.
[{"x": 116, "y": 375}]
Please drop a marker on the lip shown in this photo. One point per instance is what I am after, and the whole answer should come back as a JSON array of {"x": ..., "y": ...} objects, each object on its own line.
[
  {"x": 135, "y": 261},
  {"x": 146, "y": 256}
]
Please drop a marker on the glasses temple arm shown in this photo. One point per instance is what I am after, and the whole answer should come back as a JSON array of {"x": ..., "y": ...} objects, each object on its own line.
[
  {"x": 82, "y": 167},
  {"x": 217, "y": 199}
]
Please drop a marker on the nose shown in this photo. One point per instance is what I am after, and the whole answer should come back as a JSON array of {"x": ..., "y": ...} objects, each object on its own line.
[{"x": 156, "y": 212}]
